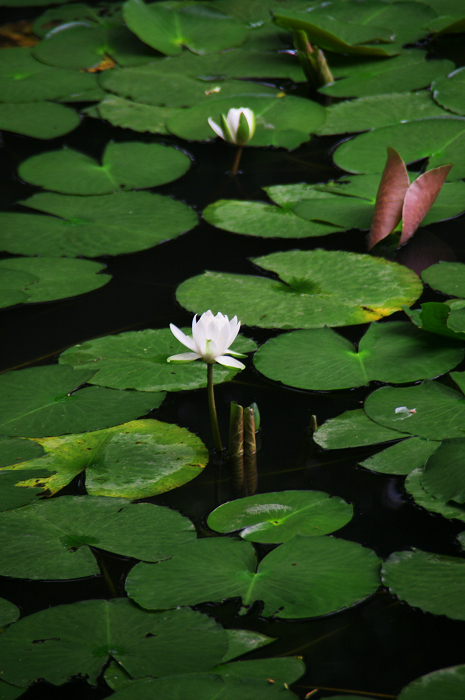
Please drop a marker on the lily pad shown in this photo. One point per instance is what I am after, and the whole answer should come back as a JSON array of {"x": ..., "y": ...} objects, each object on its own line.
[
  {"x": 315, "y": 288},
  {"x": 305, "y": 577},
  {"x": 449, "y": 91},
  {"x": 134, "y": 115},
  {"x": 442, "y": 141},
  {"x": 53, "y": 278},
  {"x": 402, "y": 458},
  {"x": 138, "y": 360},
  {"x": 446, "y": 277},
  {"x": 12, "y": 285},
  {"x": 16, "y": 450},
  {"x": 443, "y": 476},
  {"x": 134, "y": 460},
  {"x": 282, "y": 671},
  {"x": 41, "y": 401},
  {"x": 125, "y": 166},
  {"x": 81, "y": 638},
  {"x": 100, "y": 225},
  {"x": 446, "y": 683},
  {"x": 429, "y": 410},
  {"x": 433, "y": 582},
  {"x": 434, "y": 317},
  {"x": 284, "y": 121},
  {"x": 8, "y": 612},
  {"x": 322, "y": 360},
  {"x": 243, "y": 641},
  {"x": 199, "y": 27},
  {"x": 353, "y": 429},
  {"x": 41, "y": 120},
  {"x": 51, "y": 539},
  {"x": 276, "y": 517},
  {"x": 414, "y": 487}
]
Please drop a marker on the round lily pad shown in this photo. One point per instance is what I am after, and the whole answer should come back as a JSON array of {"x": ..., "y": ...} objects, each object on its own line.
[
  {"x": 320, "y": 359},
  {"x": 449, "y": 91},
  {"x": 446, "y": 683},
  {"x": 315, "y": 288},
  {"x": 304, "y": 577},
  {"x": 40, "y": 401},
  {"x": 110, "y": 224},
  {"x": 353, "y": 429},
  {"x": 443, "y": 476},
  {"x": 426, "y": 500},
  {"x": 432, "y": 582},
  {"x": 403, "y": 457},
  {"x": 41, "y": 120},
  {"x": 51, "y": 539},
  {"x": 284, "y": 121},
  {"x": 134, "y": 460},
  {"x": 54, "y": 278},
  {"x": 276, "y": 517},
  {"x": 134, "y": 115},
  {"x": 125, "y": 166},
  {"x": 138, "y": 360},
  {"x": 446, "y": 277},
  {"x": 82, "y": 637}
]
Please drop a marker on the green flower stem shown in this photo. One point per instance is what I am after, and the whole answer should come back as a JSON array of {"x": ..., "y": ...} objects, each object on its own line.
[
  {"x": 212, "y": 407},
  {"x": 237, "y": 160}
]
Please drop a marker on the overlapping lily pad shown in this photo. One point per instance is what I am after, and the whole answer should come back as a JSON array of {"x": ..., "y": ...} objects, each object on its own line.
[
  {"x": 353, "y": 429},
  {"x": 135, "y": 115},
  {"x": 8, "y": 612},
  {"x": 33, "y": 280},
  {"x": 321, "y": 359},
  {"x": 305, "y": 577},
  {"x": 446, "y": 277},
  {"x": 51, "y": 539},
  {"x": 432, "y": 582},
  {"x": 81, "y": 638},
  {"x": 134, "y": 460},
  {"x": 402, "y": 458},
  {"x": 100, "y": 225},
  {"x": 276, "y": 517},
  {"x": 444, "y": 474},
  {"x": 449, "y": 92},
  {"x": 446, "y": 683},
  {"x": 426, "y": 500},
  {"x": 41, "y": 120},
  {"x": 442, "y": 141},
  {"x": 314, "y": 289},
  {"x": 444, "y": 319},
  {"x": 126, "y": 165},
  {"x": 138, "y": 360}
]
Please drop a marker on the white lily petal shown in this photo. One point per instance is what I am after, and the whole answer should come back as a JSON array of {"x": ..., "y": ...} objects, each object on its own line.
[
  {"x": 233, "y": 119},
  {"x": 234, "y": 326},
  {"x": 217, "y": 129},
  {"x": 229, "y": 362},
  {"x": 182, "y": 337},
  {"x": 184, "y": 357},
  {"x": 235, "y": 354}
]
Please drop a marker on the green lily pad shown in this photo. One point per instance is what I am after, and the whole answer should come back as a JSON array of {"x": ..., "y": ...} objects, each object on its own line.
[
  {"x": 12, "y": 285},
  {"x": 318, "y": 288},
  {"x": 243, "y": 641},
  {"x": 53, "y": 278},
  {"x": 440, "y": 140},
  {"x": 375, "y": 111},
  {"x": 280, "y": 671},
  {"x": 414, "y": 487},
  {"x": 41, "y": 401},
  {"x": 13, "y": 492},
  {"x": 446, "y": 683},
  {"x": 402, "y": 458},
  {"x": 41, "y": 120},
  {"x": 429, "y": 410},
  {"x": 51, "y": 539},
  {"x": 138, "y": 360},
  {"x": 284, "y": 121},
  {"x": 353, "y": 429},
  {"x": 433, "y": 582},
  {"x": 100, "y": 225},
  {"x": 16, "y": 450},
  {"x": 276, "y": 517},
  {"x": 8, "y": 612},
  {"x": 134, "y": 460},
  {"x": 449, "y": 92},
  {"x": 443, "y": 476},
  {"x": 23, "y": 79},
  {"x": 304, "y": 577},
  {"x": 446, "y": 277},
  {"x": 199, "y": 27},
  {"x": 134, "y": 115},
  {"x": 55, "y": 17},
  {"x": 81, "y": 638},
  {"x": 434, "y": 318},
  {"x": 322, "y": 360},
  {"x": 125, "y": 166},
  {"x": 409, "y": 71}
]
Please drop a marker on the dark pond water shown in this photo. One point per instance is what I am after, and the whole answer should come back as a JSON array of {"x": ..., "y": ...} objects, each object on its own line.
[{"x": 373, "y": 649}]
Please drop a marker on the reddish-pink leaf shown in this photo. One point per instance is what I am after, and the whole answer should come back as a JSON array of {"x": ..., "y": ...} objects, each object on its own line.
[
  {"x": 391, "y": 192},
  {"x": 419, "y": 199}
]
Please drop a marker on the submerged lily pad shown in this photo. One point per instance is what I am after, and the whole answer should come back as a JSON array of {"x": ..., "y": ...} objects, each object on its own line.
[
  {"x": 433, "y": 582},
  {"x": 41, "y": 401},
  {"x": 321, "y": 359},
  {"x": 138, "y": 360},
  {"x": 41, "y": 120},
  {"x": 81, "y": 638},
  {"x": 100, "y": 225},
  {"x": 446, "y": 683},
  {"x": 316, "y": 288},
  {"x": 276, "y": 517},
  {"x": 51, "y": 539},
  {"x": 134, "y": 460},
  {"x": 305, "y": 577},
  {"x": 125, "y": 166}
]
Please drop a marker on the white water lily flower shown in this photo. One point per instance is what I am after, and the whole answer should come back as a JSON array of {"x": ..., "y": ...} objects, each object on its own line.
[
  {"x": 237, "y": 127},
  {"x": 211, "y": 338}
]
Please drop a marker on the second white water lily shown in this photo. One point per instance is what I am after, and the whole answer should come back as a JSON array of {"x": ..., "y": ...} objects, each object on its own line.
[
  {"x": 237, "y": 127},
  {"x": 210, "y": 341}
]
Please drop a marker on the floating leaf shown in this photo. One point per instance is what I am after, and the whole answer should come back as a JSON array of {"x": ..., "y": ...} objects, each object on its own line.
[
  {"x": 434, "y": 318},
  {"x": 318, "y": 288},
  {"x": 12, "y": 285},
  {"x": 446, "y": 277},
  {"x": 41, "y": 120},
  {"x": 138, "y": 360},
  {"x": 443, "y": 476},
  {"x": 403, "y": 457},
  {"x": 81, "y": 638},
  {"x": 243, "y": 641},
  {"x": 449, "y": 91},
  {"x": 100, "y": 225},
  {"x": 16, "y": 450},
  {"x": 352, "y": 429},
  {"x": 446, "y": 683},
  {"x": 426, "y": 500},
  {"x": 8, "y": 613},
  {"x": 51, "y": 539},
  {"x": 276, "y": 517},
  {"x": 135, "y": 116},
  {"x": 304, "y": 577},
  {"x": 125, "y": 166},
  {"x": 135, "y": 460},
  {"x": 432, "y": 582}
]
